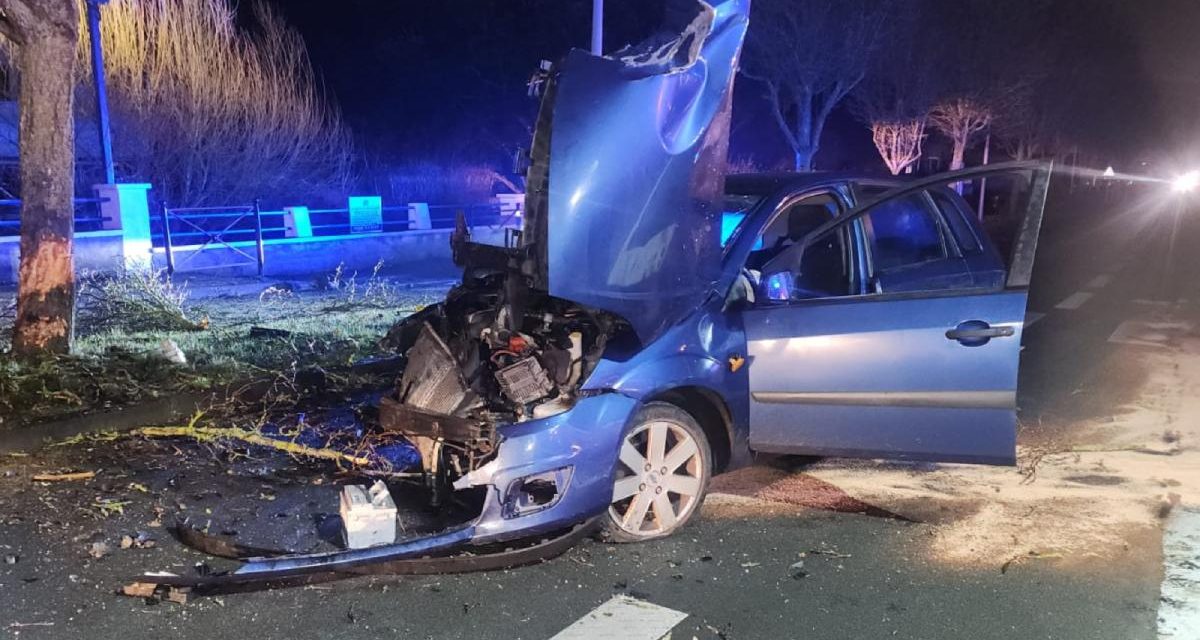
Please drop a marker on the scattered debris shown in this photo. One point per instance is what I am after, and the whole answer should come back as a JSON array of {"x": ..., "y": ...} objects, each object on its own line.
[
  {"x": 156, "y": 592},
  {"x": 64, "y": 477},
  {"x": 796, "y": 570},
  {"x": 110, "y": 506},
  {"x": 97, "y": 550},
  {"x": 825, "y": 552},
  {"x": 11, "y": 558},
  {"x": 368, "y": 515},
  {"x": 171, "y": 352},
  {"x": 1032, "y": 555},
  {"x": 141, "y": 540},
  {"x": 139, "y": 589}
]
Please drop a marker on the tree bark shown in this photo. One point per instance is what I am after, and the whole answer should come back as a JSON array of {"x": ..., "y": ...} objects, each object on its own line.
[
  {"x": 46, "y": 278},
  {"x": 958, "y": 153}
]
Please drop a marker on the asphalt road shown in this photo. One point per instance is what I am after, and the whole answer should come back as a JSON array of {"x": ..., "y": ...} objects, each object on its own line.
[{"x": 734, "y": 574}]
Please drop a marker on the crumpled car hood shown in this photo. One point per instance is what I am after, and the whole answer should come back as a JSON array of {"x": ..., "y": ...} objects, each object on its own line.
[{"x": 628, "y": 217}]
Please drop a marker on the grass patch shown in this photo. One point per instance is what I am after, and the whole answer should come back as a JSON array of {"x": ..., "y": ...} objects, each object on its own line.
[{"x": 124, "y": 323}]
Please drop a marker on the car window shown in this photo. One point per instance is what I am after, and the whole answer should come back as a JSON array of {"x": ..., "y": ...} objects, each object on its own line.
[
  {"x": 951, "y": 206},
  {"x": 795, "y": 222},
  {"x": 903, "y": 232},
  {"x": 821, "y": 270}
]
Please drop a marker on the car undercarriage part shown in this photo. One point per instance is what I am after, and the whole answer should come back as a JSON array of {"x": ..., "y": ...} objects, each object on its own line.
[{"x": 402, "y": 558}]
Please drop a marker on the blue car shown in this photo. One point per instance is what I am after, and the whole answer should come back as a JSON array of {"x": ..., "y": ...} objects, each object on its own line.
[{"x": 658, "y": 322}]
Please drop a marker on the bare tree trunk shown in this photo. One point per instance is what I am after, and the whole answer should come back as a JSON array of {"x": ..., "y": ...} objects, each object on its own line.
[
  {"x": 957, "y": 154},
  {"x": 806, "y": 143},
  {"x": 46, "y": 281}
]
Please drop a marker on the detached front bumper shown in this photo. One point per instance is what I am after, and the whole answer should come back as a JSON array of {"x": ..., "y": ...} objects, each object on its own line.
[{"x": 576, "y": 451}]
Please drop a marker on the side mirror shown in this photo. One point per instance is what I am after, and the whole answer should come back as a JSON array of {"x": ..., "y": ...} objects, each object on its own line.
[{"x": 779, "y": 285}]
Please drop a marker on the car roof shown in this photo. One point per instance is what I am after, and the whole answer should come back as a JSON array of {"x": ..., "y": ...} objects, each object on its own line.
[{"x": 775, "y": 181}]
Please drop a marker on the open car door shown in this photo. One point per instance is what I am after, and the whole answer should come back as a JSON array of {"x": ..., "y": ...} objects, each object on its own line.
[{"x": 900, "y": 367}]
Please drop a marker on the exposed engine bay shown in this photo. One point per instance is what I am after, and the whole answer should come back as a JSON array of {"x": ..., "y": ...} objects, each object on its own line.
[{"x": 494, "y": 352}]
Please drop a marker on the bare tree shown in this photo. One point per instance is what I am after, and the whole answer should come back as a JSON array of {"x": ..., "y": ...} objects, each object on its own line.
[
  {"x": 898, "y": 142},
  {"x": 213, "y": 113},
  {"x": 985, "y": 65},
  {"x": 959, "y": 118},
  {"x": 809, "y": 56},
  {"x": 895, "y": 97},
  {"x": 43, "y": 35}
]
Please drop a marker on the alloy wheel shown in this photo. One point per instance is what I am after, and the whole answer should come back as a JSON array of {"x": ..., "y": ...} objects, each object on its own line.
[{"x": 659, "y": 480}]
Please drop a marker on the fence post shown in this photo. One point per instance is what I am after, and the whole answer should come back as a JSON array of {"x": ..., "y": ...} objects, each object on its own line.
[
  {"x": 418, "y": 216},
  {"x": 126, "y": 208},
  {"x": 296, "y": 222},
  {"x": 258, "y": 242},
  {"x": 166, "y": 232}
]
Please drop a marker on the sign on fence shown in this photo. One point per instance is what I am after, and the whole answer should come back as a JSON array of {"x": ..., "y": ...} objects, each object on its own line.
[{"x": 366, "y": 214}]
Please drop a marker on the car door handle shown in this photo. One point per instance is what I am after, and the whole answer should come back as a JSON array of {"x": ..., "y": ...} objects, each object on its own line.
[{"x": 975, "y": 332}]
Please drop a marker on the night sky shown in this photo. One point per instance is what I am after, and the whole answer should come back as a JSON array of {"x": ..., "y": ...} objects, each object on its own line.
[{"x": 445, "y": 80}]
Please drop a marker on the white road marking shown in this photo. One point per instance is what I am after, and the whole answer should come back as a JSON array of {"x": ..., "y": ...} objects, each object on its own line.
[
  {"x": 1099, "y": 282},
  {"x": 1032, "y": 317},
  {"x": 1155, "y": 303},
  {"x": 623, "y": 618},
  {"x": 1179, "y": 597},
  {"x": 1074, "y": 301},
  {"x": 1148, "y": 334}
]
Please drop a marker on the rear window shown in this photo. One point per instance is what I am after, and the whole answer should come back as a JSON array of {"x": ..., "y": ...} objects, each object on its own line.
[
  {"x": 951, "y": 207},
  {"x": 904, "y": 232}
]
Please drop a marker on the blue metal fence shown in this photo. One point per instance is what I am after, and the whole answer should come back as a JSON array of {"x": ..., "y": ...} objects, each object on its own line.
[
  {"x": 87, "y": 215},
  {"x": 229, "y": 226}
]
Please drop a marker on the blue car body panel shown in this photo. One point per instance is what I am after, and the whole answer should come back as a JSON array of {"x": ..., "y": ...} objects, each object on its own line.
[
  {"x": 877, "y": 377},
  {"x": 636, "y": 173},
  {"x": 584, "y": 440}
]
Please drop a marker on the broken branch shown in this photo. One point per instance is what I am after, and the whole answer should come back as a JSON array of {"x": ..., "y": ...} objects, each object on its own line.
[
  {"x": 64, "y": 477},
  {"x": 213, "y": 434}
]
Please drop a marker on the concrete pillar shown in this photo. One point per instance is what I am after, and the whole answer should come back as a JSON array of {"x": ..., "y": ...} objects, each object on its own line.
[
  {"x": 127, "y": 207},
  {"x": 296, "y": 223},
  {"x": 512, "y": 205},
  {"x": 418, "y": 216}
]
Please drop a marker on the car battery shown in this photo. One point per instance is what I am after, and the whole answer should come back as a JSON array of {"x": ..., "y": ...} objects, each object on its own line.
[{"x": 368, "y": 515}]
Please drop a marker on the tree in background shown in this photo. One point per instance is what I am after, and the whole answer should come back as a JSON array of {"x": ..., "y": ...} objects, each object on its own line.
[
  {"x": 42, "y": 36},
  {"x": 899, "y": 88},
  {"x": 959, "y": 118},
  {"x": 983, "y": 65},
  {"x": 211, "y": 113},
  {"x": 809, "y": 56}
]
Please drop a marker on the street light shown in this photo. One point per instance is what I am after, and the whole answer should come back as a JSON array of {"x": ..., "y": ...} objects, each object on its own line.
[
  {"x": 106, "y": 154},
  {"x": 1186, "y": 182},
  {"x": 597, "y": 27}
]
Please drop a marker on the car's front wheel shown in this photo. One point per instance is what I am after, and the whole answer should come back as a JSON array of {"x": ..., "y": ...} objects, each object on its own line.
[{"x": 662, "y": 474}]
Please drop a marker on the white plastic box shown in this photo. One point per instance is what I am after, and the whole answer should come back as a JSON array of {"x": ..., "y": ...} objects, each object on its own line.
[{"x": 368, "y": 515}]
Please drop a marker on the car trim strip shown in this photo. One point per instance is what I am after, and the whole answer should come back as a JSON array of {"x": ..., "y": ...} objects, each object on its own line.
[{"x": 938, "y": 399}]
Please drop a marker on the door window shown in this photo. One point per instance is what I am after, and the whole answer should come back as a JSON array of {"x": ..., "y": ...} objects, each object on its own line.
[
  {"x": 904, "y": 232},
  {"x": 821, "y": 270},
  {"x": 790, "y": 227}
]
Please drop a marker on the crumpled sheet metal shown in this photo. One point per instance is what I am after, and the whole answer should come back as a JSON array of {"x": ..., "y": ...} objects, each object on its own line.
[{"x": 424, "y": 556}]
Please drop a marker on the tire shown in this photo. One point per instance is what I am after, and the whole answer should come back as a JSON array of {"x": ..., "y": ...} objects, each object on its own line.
[{"x": 666, "y": 500}]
